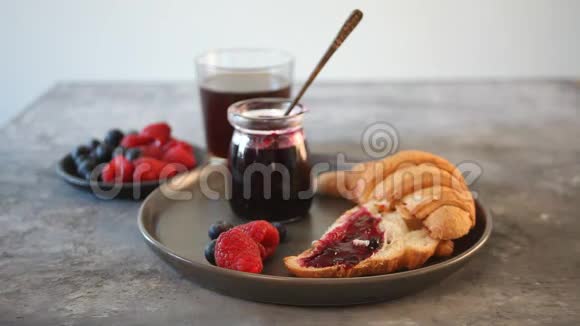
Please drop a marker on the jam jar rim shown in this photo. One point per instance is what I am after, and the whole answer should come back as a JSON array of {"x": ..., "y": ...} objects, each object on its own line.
[{"x": 279, "y": 124}]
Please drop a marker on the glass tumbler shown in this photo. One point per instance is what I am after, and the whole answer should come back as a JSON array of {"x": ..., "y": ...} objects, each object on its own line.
[{"x": 227, "y": 76}]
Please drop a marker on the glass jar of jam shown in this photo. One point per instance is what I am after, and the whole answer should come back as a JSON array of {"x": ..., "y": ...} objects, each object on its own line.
[{"x": 268, "y": 160}]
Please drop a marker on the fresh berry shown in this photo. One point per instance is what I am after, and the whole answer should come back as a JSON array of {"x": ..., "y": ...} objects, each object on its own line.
[
  {"x": 218, "y": 228},
  {"x": 124, "y": 168},
  {"x": 80, "y": 151},
  {"x": 108, "y": 173},
  {"x": 180, "y": 155},
  {"x": 133, "y": 153},
  {"x": 133, "y": 140},
  {"x": 170, "y": 170},
  {"x": 94, "y": 143},
  {"x": 79, "y": 159},
  {"x": 120, "y": 150},
  {"x": 235, "y": 250},
  {"x": 160, "y": 131},
  {"x": 147, "y": 168},
  {"x": 113, "y": 137},
  {"x": 103, "y": 153},
  {"x": 281, "y": 230},
  {"x": 263, "y": 233},
  {"x": 118, "y": 170},
  {"x": 180, "y": 143},
  {"x": 85, "y": 168},
  {"x": 151, "y": 150},
  {"x": 209, "y": 252}
]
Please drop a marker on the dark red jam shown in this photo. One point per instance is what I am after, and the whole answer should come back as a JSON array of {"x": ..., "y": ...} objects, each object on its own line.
[
  {"x": 278, "y": 188},
  {"x": 352, "y": 242}
]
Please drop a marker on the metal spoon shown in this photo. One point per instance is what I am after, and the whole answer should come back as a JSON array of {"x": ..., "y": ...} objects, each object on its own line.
[{"x": 352, "y": 21}]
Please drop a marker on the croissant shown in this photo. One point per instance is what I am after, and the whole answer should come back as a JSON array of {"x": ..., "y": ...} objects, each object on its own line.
[
  {"x": 411, "y": 206},
  {"x": 420, "y": 185}
]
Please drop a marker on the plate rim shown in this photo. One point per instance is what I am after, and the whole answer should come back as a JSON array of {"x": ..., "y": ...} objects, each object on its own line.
[{"x": 152, "y": 241}]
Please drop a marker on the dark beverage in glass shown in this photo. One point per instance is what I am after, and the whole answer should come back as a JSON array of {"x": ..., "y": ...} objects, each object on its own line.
[
  {"x": 220, "y": 91},
  {"x": 268, "y": 161},
  {"x": 231, "y": 75}
]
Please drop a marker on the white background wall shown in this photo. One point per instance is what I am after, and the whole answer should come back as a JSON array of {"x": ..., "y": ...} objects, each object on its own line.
[{"x": 45, "y": 41}]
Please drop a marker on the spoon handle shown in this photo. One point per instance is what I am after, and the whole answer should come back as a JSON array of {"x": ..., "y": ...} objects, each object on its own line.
[{"x": 348, "y": 26}]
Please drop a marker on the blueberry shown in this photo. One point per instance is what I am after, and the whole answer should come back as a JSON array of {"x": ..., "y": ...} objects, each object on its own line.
[
  {"x": 85, "y": 168},
  {"x": 80, "y": 151},
  {"x": 93, "y": 155},
  {"x": 114, "y": 137},
  {"x": 281, "y": 230},
  {"x": 94, "y": 143},
  {"x": 132, "y": 153},
  {"x": 374, "y": 243},
  {"x": 103, "y": 153},
  {"x": 120, "y": 150},
  {"x": 81, "y": 158},
  {"x": 209, "y": 252},
  {"x": 218, "y": 228}
]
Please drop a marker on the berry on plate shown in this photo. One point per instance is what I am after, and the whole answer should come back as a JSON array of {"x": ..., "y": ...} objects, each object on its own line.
[
  {"x": 209, "y": 251},
  {"x": 134, "y": 140},
  {"x": 80, "y": 151},
  {"x": 236, "y": 250},
  {"x": 161, "y": 131},
  {"x": 85, "y": 168},
  {"x": 94, "y": 143},
  {"x": 113, "y": 137},
  {"x": 151, "y": 150},
  {"x": 149, "y": 155},
  {"x": 281, "y": 230},
  {"x": 118, "y": 170},
  {"x": 103, "y": 153},
  {"x": 175, "y": 142},
  {"x": 263, "y": 233},
  {"x": 133, "y": 153},
  {"x": 180, "y": 155},
  {"x": 119, "y": 150},
  {"x": 147, "y": 169},
  {"x": 218, "y": 228}
]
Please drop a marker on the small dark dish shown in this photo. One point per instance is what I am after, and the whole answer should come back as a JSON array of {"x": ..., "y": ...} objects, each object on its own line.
[
  {"x": 176, "y": 230},
  {"x": 66, "y": 169}
]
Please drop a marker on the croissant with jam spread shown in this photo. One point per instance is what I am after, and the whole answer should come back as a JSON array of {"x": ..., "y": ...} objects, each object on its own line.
[{"x": 411, "y": 206}]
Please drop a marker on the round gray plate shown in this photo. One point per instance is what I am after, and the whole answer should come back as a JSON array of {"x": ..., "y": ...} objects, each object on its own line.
[{"x": 174, "y": 220}]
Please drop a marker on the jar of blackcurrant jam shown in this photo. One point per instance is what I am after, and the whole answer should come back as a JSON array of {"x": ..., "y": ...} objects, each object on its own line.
[{"x": 268, "y": 160}]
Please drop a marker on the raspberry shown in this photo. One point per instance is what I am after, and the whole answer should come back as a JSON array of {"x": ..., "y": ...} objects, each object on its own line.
[
  {"x": 147, "y": 168},
  {"x": 170, "y": 170},
  {"x": 151, "y": 150},
  {"x": 263, "y": 233},
  {"x": 160, "y": 131},
  {"x": 176, "y": 142},
  {"x": 178, "y": 154},
  {"x": 108, "y": 173},
  {"x": 235, "y": 250},
  {"x": 118, "y": 169},
  {"x": 134, "y": 140}
]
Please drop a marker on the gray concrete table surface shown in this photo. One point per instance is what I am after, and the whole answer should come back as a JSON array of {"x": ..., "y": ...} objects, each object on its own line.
[{"x": 68, "y": 258}]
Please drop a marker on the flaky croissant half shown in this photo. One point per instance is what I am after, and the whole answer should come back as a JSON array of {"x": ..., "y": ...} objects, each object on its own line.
[
  {"x": 411, "y": 206},
  {"x": 423, "y": 187}
]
